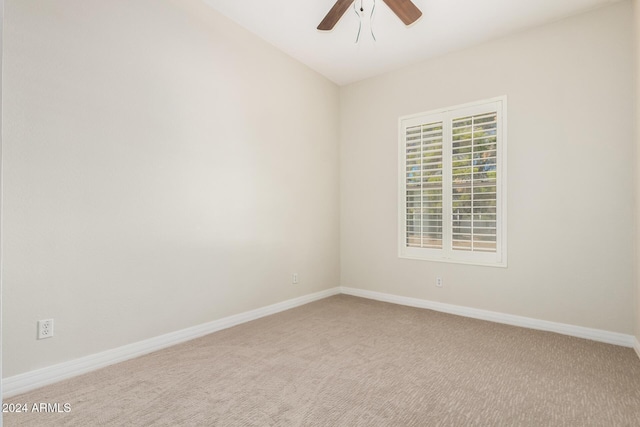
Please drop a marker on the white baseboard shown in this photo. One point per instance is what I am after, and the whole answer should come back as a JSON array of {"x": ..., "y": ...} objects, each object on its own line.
[
  {"x": 509, "y": 319},
  {"x": 21, "y": 383}
]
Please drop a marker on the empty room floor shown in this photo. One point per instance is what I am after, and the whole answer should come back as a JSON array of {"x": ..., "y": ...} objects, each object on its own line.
[{"x": 347, "y": 361}]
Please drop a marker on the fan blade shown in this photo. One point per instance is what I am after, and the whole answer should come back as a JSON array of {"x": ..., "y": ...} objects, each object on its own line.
[
  {"x": 334, "y": 15},
  {"x": 405, "y": 9}
]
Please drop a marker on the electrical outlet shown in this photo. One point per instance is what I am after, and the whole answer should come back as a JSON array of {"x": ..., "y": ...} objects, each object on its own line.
[
  {"x": 294, "y": 278},
  {"x": 439, "y": 282},
  {"x": 45, "y": 329}
]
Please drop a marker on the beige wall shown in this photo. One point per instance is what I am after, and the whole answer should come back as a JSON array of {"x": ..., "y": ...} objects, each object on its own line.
[
  {"x": 163, "y": 168},
  {"x": 570, "y": 183},
  {"x": 1, "y": 203},
  {"x": 636, "y": 20}
]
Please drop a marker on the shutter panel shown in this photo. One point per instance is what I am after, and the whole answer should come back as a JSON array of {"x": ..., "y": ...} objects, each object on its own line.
[
  {"x": 474, "y": 183},
  {"x": 423, "y": 179}
]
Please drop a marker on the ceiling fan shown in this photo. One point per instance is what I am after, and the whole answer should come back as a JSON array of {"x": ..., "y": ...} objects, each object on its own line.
[{"x": 405, "y": 9}]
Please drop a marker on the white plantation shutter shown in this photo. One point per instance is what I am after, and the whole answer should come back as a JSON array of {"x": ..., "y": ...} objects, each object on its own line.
[
  {"x": 474, "y": 183},
  {"x": 452, "y": 173},
  {"x": 424, "y": 185}
]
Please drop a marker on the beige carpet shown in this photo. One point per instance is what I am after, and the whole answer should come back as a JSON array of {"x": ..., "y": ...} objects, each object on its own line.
[{"x": 346, "y": 361}]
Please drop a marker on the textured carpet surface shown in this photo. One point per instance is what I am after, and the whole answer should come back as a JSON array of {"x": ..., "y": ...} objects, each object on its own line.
[{"x": 346, "y": 361}]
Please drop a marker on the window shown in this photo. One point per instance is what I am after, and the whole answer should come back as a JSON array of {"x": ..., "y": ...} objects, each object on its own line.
[{"x": 452, "y": 180}]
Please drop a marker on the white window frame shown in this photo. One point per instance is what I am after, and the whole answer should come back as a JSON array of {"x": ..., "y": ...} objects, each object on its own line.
[{"x": 447, "y": 254}]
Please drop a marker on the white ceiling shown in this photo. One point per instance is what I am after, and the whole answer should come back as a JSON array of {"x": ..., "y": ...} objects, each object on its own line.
[{"x": 445, "y": 26}]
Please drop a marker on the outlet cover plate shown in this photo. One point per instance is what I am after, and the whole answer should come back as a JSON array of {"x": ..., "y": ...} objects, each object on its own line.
[{"x": 45, "y": 328}]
